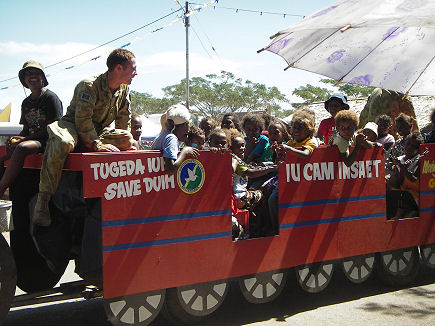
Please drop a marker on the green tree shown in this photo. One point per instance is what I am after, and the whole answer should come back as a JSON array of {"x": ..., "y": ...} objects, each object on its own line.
[
  {"x": 350, "y": 90},
  {"x": 310, "y": 93},
  {"x": 145, "y": 103},
  {"x": 215, "y": 95}
]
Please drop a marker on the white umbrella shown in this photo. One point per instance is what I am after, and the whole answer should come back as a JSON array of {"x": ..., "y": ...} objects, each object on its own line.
[{"x": 382, "y": 43}]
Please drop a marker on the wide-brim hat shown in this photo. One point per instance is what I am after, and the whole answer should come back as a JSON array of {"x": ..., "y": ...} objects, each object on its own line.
[
  {"x": 337, "y": 96},
  {"x": 372, "y": 126},
  {"x": 31, "y": 64}
]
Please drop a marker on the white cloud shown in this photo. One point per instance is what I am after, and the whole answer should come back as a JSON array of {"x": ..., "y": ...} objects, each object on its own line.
[
  {"x": 176, "y": 61},
  {"x": 155, "y": 70}
]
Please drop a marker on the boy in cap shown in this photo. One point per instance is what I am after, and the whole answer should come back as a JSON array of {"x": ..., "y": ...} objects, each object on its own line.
[
  {"x": 95, "y": 105},
  {"x": 333, "y": 105},
  {"x": 39, "y": 109}
]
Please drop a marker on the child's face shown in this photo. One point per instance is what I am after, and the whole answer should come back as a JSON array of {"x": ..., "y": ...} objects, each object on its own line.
[
  {"x": 383, "y": 127},
  {"x": 403, "y": 129},
  {"x": 238, "y": 146},
  {"x": 218, "y": 141},
  {"x": 335, "y": 106},
  {"x": 136, "y": 128},
  {"x": 181, "y": 131},
  {"x": 371, "y": 136},
  {"x": 198, "y": 142},
  {"x": 227, "y": 123},
  {"x": 34, "y": 79},
  {"x": 300, "y": 131},
  {"x": 275, "y": 134},
  {"x": 346, "y": 129},
  {"x": 251, "y": 130},
  {"x": 206, "y": 127},
  {"x": 411, "y": 148}
]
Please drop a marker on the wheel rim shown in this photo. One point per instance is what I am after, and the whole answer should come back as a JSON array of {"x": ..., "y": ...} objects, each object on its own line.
[
  {"x": 263, "y": 287},
  {"x": 428, "y": 255},
  {"x": 8, "y": 277},
  {"x": 202, "y": 299},
  {"x": 138, "y": 309},
  {"x": 359, "y": 268},
  {"x": 314, "y": 277},
  {"x": 397, "y": 261}
]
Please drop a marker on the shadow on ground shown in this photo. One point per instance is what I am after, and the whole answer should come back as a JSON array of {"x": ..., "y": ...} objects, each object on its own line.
[{"x": 237, "y": 311}]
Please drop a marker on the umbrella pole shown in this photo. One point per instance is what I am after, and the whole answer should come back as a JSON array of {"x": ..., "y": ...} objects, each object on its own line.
[{"x": 186, "y": 23}]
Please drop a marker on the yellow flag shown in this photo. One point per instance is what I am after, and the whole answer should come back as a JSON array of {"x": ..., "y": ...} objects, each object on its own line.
[{"x": 5, "y": 114}]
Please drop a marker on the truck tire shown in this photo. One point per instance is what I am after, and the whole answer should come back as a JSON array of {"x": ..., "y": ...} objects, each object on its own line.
[{"x": 8, "y": 278}]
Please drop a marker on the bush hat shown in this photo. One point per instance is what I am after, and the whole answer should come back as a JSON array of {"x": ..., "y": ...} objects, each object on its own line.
[
  {"x": 28, "y": 65},
  {"x": 337, "y": 96}
]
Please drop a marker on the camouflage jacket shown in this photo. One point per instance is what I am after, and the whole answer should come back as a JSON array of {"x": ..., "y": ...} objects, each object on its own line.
[{"x": 94, "y": 108}]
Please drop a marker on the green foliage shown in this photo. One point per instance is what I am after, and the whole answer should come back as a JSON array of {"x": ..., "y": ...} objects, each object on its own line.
[
  {"x": 144, "y": 103},
  {"x": 312, "y": 93},
  {"x": 215, "y": 95},
  {"x": 350, "y": 90}
]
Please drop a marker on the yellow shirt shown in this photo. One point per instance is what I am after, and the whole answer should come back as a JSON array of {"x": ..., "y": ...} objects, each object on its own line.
[{"x": 307, "y": 143}]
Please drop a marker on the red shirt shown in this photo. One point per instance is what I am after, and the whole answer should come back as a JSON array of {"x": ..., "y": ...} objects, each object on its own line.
[{"x": 325, "y": 128}]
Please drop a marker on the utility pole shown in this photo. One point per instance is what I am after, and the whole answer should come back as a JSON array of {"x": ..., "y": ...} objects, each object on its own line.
[{"x": 186, "y": 23}]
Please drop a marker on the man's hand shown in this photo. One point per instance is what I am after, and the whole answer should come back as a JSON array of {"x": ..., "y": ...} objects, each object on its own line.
[{"x": 107, "y": 148}]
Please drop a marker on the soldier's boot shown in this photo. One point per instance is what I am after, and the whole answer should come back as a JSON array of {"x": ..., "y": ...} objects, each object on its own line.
[{"x": 41, "y": 214}]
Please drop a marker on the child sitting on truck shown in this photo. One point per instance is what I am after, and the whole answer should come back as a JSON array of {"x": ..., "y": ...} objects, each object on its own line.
[
  {"x": 385, "y": 123},
  {"x": 196, "y": 137},
  {"x": 404, "y": 125},
  {"x": 218, "y": 140},
  {"x": 301, "y": 144},
  {"x": 175, "y": 125},
  {"x": 346, "y": 123},
  {"x": 403, "y": 186},
  {"x": 39, "y": 109},
  {"x": 256, "y": 143},
  {"x": 245, "y": 198}
]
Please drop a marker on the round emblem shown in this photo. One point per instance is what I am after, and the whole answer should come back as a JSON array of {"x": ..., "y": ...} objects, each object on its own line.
[{"x": 190, "y": 176}]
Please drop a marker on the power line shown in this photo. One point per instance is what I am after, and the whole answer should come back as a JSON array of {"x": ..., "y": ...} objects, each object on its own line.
[
  {"x": 108, "y": 42},
  {"x": 214, "y": 50},
  {"x": 254, "y": 11}
]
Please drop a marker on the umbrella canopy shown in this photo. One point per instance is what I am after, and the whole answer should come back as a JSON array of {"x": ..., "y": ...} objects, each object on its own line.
[{"x": 382, "y": 43}]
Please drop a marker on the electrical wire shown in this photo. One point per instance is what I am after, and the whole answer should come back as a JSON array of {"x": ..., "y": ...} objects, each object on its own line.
[
  {"x": 254, "y": 11},
  {"x": 108, "y": 42},
  {"x": 213, "y": 48}
]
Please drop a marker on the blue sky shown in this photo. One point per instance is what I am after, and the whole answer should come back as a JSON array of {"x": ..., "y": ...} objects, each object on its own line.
[{"x": 51, "y": 31}]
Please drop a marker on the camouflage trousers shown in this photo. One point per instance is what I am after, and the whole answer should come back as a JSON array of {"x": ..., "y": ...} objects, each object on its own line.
[{"x": 63, "y": 139}]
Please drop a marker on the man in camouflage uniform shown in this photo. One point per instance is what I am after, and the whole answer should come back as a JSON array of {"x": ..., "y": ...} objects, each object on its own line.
[
  {"x": 86, "y": 125},
  {"x": 391, "y": 103}
]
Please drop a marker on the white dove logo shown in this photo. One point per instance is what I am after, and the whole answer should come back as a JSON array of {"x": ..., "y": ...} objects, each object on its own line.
[{"x": 191, "y": 176}]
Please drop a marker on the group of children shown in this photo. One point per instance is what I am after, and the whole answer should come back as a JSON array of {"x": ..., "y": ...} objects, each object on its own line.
[
  {"x": 401, "y": 156},
  {"x": 255, "y": 156}
]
